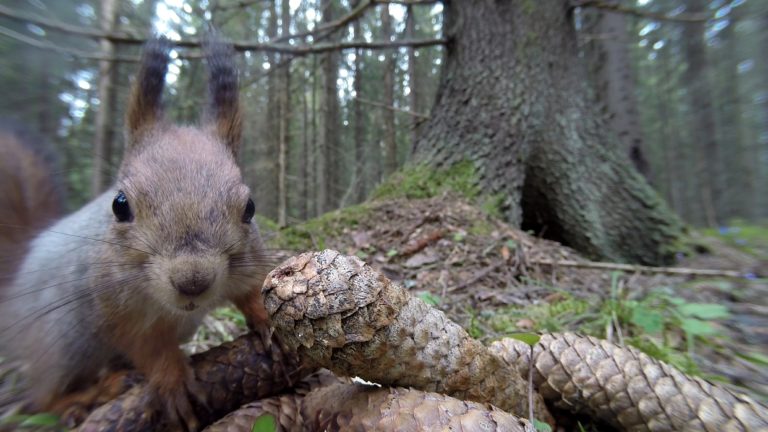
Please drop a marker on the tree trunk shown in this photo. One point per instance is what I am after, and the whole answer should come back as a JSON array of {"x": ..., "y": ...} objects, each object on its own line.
[
  {"x": 317, "y": 159},
  {"x": 285, "y": 118},
  {"x": 513, "y": 100},
  {"x": 737, "y": 198},
  {"x": 388, "y": 116},
  {"x": 329, "y": 157},
  {"x": 359, "y": 118},
  {"x": 761, "y": 152},
  {"x": 413, "y": 76},
  {"x": 703, "y": 122},
  {"x": 102, "y": 139},
  {"x": 304, "y": 165},
  {"x": 613, "y": 74}
]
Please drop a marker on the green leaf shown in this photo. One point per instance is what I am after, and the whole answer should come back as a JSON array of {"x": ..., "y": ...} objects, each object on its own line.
[
  {"x": 42, "y": 419},
  {"x": 230, "y": 313},
  {"x": 697, "y": 327},
  {"x": 541, "y": 426},
  {"x": 362, "y": 255},
  {"x": 677, "y": 301},
  {"x": 704, "y": 310},
  {"x": 265, "y": 423},
  {"x": 458, "y": 237},
  {"x": 754, "y": 357},
  {"x": 530, "y": 339},
  {"x": 647, "y": 319},
  {"x": 511, "y": 244},
  {"x": 429, "y": 298},
  {"x": 391, "y": 253}
]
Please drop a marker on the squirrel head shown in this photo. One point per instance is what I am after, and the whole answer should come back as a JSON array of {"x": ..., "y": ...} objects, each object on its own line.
[{"x": 182, "y": 208}]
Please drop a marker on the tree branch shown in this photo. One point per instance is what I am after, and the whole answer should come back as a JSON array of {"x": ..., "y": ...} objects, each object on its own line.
[
  {"x": 130, "y": 39},
  {"x": 616, "y": 7},
  {"x": 333, "y": 25},
  {"x": 45, "y": 45},
  {"x": 407, "y": 2}
]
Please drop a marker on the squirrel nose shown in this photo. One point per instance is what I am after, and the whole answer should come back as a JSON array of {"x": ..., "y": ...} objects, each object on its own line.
[{"x": 192, "y": 285}]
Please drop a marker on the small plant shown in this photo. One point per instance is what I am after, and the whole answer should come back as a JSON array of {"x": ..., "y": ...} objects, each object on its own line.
[
  {"x": 663, "y": 325},
  {"x": 265, "y": 423},
  {"x": 38, "y": 422}
]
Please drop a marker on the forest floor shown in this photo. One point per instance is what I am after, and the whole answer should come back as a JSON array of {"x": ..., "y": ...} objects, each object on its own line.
[{"x": 496, "y": 280}]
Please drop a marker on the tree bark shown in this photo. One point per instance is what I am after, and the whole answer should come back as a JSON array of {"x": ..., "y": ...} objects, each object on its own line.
[
  {"x": 513, "y": 101},
  {"x": 329, "y": 157},
  {"x": 413, "y": 75},
  {"x": 285, "y": 117},
  {"x": 738, "y": 193},
  {"x": 359, "y": 119},
  {"x": 304, "y": 169},
  {"x": 388, "y": 116},
  {"x": 270, "y": 174},
  {"x": 102, "y": 139},
  {"x": 703, "y": 121},
  {"x": 613, "y": 74}
]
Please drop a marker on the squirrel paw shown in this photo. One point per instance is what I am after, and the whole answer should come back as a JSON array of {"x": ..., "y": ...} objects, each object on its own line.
[{"x": 178, "y": 401}]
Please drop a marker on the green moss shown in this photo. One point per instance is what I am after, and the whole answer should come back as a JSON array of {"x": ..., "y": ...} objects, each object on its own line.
[
  {"x": 422, "y": 181},
  {"x": 552, "y": 317},
  {"x": 492, "y": 206},
  {"x": 314, "y": 233},
  {"x": 266, "y": 224}
]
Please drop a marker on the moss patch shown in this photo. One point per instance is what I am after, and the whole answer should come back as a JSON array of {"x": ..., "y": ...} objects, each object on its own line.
[
  {"x": 314, "y": 233},
  {"x": 422, "y": 181}
]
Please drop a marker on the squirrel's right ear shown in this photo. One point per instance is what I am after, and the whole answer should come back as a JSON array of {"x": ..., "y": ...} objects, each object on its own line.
[{"x": 144, "y": 107}]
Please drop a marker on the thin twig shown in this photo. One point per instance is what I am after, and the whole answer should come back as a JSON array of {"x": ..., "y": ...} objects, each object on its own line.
[
  {"x": 639, "y": 268},
  {"x": 392, "y": 108}
]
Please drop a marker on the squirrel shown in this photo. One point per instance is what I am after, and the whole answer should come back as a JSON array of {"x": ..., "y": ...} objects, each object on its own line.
[
  {"x": 31, "y": 196},
  {"x": 132, "y": 274}
]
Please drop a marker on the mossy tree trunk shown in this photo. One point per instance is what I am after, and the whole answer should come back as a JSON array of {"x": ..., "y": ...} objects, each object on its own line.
[{"x": 513, "y": 99}]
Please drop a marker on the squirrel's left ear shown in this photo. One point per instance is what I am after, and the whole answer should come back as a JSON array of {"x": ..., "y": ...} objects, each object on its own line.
[
  {"x": 145, "y": 104},
  {"x": 223, "y": 111}
]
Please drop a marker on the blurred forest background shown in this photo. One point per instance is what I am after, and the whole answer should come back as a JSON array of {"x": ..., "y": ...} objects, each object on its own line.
[{"x": 683, "y": 83}]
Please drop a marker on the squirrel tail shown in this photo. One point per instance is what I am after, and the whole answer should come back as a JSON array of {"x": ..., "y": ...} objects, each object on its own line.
[{"x": 31, "y": 192}]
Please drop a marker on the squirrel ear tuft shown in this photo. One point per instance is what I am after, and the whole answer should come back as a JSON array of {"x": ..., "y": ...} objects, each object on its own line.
[
  {"x": 223, "y": 109},
  {"x": 145, "y": 104}
]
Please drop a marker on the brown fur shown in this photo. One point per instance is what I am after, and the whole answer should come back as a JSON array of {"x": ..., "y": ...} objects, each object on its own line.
[
  {"x": 29, "y": 196},
  {"x": 122, "y": 300}
]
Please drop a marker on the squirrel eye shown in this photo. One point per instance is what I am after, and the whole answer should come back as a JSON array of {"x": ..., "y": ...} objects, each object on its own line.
[
  {"x": 121, "y": 209},
  {"x": 250, "y": 210}
]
